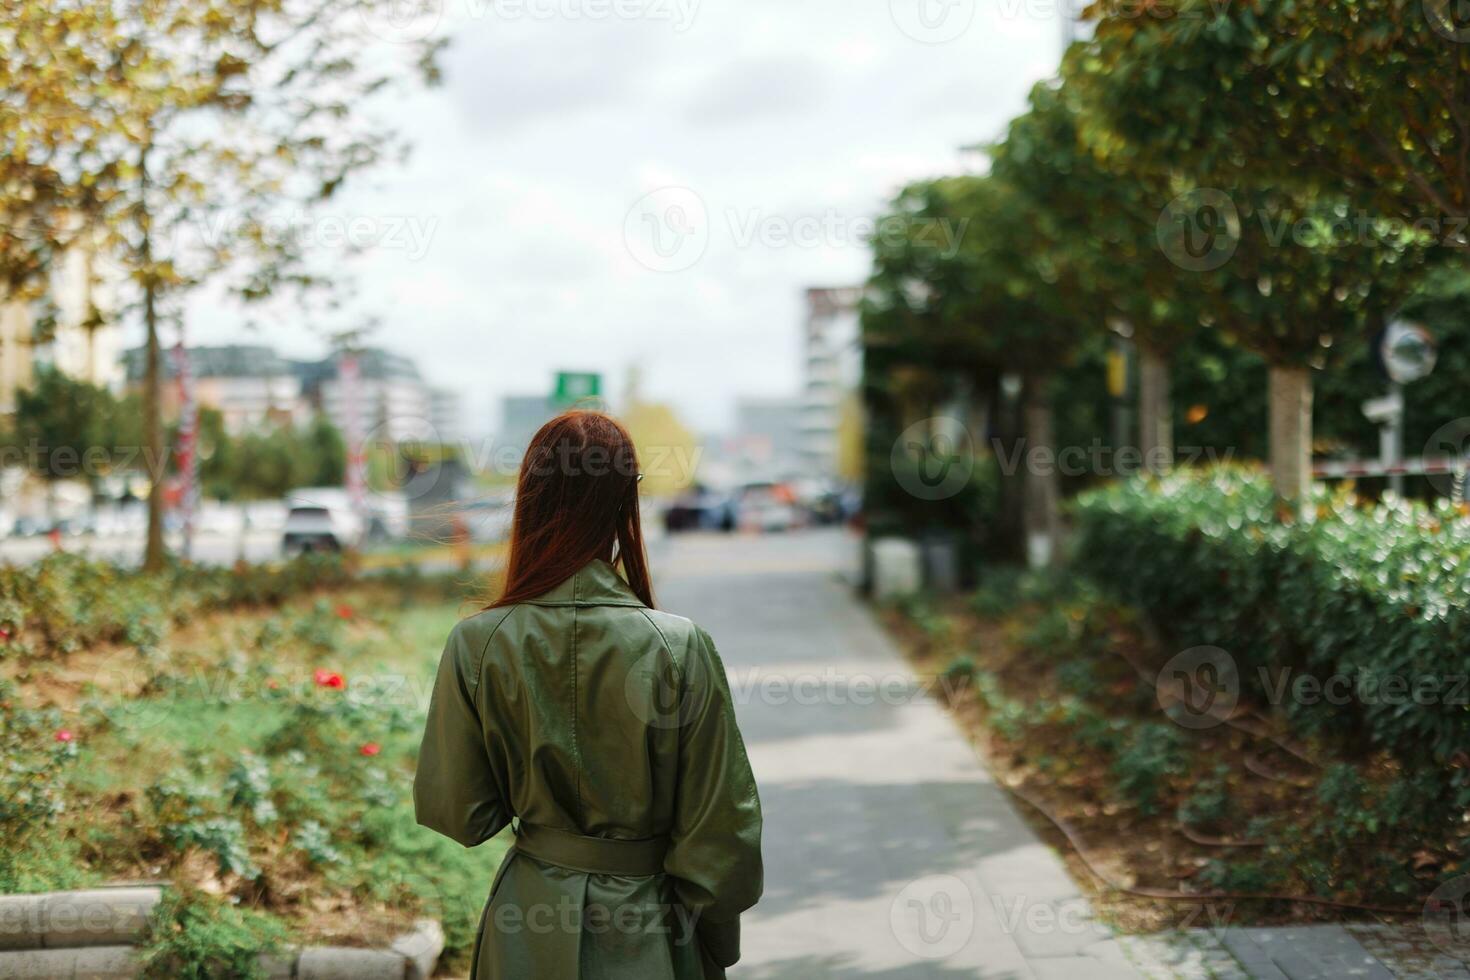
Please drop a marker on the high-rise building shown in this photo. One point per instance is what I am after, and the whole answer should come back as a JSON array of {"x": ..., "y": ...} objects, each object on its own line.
[
  {"x": 388, "y": 397},
  {"x": 832, "y": 370},
  {"x": 84, "y": 342},
  {"x": 769, "y": 441},
  {"x": 446, "y": 412}
]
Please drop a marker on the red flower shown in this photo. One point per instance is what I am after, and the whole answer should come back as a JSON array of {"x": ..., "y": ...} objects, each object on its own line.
[
  {"x": 5, "y": 633},
  {"x": 329, "y": 678},
  {"x": 344, "y": 611},
  {"x": 371, "y": 749},
  {"x": 64, "y": 736}
]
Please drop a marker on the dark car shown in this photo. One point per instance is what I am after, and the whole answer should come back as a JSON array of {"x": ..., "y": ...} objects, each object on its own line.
[{"x": 701, "y": 509}]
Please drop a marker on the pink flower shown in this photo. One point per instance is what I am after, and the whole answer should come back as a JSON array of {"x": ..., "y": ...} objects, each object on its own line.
[
  {"x": 370, "y": 749},
  {"x": 329, "y": 678},
  {"x": 5, "y": 634},
  {"x": 64, "y": 736}
]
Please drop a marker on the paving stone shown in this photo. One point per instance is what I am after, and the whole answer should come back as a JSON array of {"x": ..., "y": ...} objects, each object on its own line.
[
  {"x": 1404, "y": 947},
  {"x": 1303, "y": 953}
]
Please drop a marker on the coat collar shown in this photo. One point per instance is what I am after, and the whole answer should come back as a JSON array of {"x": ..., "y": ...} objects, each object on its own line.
[{"x": 596, "y": 584}]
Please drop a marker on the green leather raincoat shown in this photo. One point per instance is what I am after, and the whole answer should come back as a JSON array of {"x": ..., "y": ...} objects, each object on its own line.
[{"x": 605, "y": 732}]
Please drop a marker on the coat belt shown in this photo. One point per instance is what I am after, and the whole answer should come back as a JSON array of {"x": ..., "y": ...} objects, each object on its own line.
[{"x": 593, "y": 855}]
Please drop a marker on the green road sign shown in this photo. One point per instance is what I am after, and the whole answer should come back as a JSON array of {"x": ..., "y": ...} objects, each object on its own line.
[{"x": 574, "y": 386}]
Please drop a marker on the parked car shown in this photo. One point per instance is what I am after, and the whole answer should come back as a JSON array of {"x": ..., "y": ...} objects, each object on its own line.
[
  {"x": 768, "y": 507},
  {"x": 323, "y": 526},
  {"x": 700, "y": 509}
]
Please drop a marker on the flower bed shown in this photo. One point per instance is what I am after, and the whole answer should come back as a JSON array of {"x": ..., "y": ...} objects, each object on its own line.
[{"x": 248, "y": 737}]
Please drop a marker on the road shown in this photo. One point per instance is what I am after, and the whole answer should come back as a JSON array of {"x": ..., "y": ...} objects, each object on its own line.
[
  {"x": 209, "y": 548},
  {"x": 890, "y": 852}
]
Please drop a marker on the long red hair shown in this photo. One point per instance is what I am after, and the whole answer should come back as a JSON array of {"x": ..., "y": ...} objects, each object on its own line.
[{"x": 576, "y": 498}]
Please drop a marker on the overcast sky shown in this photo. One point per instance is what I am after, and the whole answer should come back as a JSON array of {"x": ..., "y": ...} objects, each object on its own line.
[{"x": 604, "y": 182}]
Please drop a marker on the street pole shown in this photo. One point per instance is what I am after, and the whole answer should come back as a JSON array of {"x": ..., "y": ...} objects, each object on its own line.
[
  {"x": 1393, "y": 434},
  {"x": 187, "y": 449}
]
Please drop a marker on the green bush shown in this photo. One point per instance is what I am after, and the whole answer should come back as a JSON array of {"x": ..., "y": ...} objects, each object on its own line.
[
  {"x": 66, "y": 602},
  {"x": 1375, "y": 599},
  {"x": 196, "y": 936},
  {"x": 1151, "y": 754}
]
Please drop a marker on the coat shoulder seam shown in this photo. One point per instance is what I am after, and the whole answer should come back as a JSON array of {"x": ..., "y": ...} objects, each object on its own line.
[{"x": 479, "y": 664}]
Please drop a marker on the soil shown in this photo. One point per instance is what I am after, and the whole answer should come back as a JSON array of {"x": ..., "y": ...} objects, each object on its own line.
[{"x": 1056, "y": 778}]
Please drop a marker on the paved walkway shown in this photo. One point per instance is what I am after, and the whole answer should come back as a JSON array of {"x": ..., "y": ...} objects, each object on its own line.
[{"x": 890, "y": 853}]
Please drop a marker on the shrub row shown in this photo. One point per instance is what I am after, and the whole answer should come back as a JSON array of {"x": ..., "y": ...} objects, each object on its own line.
[
  {"x": 66, "y": 601},
  {"x": 1355, "y": 622}
]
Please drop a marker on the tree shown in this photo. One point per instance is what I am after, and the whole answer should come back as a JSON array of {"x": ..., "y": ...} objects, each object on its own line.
[
  {"x": 1102, "y": 216},
  {"x": 923, "y": 345},
  {"x": 1026, "y": 304},
  {"x": 1374, "y": 95},
  {"x": 179, "y": 129},
  {"x": 62, "y": 427},
  {"x": 323, "y": 455},
  {"x": 1288, "y": 262}
]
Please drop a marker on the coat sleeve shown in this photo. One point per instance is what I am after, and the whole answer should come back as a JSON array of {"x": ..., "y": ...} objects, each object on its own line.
[
  {"x": 714, "y": 855},
  {"x": 455, "y": 791}
]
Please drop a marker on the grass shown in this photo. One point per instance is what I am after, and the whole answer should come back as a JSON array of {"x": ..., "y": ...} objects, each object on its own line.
[{"x": 228, "y": 761}]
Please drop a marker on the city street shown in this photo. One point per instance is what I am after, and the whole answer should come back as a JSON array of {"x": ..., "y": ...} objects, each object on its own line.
[{"x": 890, "y": 853}]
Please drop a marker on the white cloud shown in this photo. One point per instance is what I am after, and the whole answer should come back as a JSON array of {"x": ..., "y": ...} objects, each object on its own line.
[{"x": 548, "y": 130}]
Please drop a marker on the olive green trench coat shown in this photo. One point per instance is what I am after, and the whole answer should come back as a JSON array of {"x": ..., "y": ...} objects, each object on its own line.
[{"x": 605, "y": 730}]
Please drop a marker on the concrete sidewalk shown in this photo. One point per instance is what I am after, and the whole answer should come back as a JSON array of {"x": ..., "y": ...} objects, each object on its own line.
[{"x": 890, "y": 852}]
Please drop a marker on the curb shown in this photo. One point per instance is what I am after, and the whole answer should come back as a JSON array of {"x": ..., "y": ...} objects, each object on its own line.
[
  {"x": 93, "y": 934},
  {"x": 67, "y": 920}
]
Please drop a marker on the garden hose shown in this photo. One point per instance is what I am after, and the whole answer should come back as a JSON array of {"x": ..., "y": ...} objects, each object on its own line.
[{"x": 1079, "y": 846}]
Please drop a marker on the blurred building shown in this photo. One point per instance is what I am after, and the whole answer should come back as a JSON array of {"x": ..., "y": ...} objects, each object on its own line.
[
  {"x": 72, "y": 329},
  {"x": 769, "y": 440},
  {"x": 832, "y": 370},
  {"x": 388, "y": 399},
  {"x": 520, "y": 417},
  {"x": 250, "y": 385},
  {"x": 446, "y": 413}
]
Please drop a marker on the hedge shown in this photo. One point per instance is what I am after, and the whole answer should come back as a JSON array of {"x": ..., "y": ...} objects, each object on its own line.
[{"x": 1374, "y": 595}]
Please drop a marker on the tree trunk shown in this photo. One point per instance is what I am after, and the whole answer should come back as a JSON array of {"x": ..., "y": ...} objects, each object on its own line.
[
  {"x": 1155, "y": 412},
  {"x": 1006, "y": 535},
  {"x": 1291, "y": 431},
  {"x": 1041, "y": 509},
  {"x": 153, "y": 553}
]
